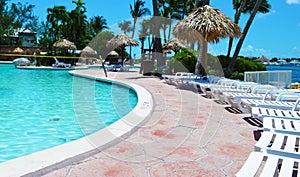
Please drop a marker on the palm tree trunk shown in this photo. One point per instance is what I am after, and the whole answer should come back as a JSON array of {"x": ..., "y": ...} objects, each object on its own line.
[
  {"x": 201, "y": 64},
  {"x": 229, "y": 46},
  {"x": 246, "y": 29},
  {"x": 142, "y": 53},
  {"x": 165, "y": 32},
  {"x": 130, "y": 48},
  {"x": 199, "y": 60},
  {"x": 236, "y": 21},
  {"x": 157, "y": 47}
]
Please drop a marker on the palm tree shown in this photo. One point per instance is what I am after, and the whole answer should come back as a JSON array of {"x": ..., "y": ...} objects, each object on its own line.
[
  {"x": 145, "y": 32},
  {"x": 22, "y": 14},
  {"x": 77, "y": 25},
  {"x": 137, "y": 10},
  {"x": 169, "y": 9},
  {"x": 57, "y": 17},
  {"x": 80, "y": 6},
  {"x": 188, "y": 7},
  {"x": 244, "y": 6},
  {"x": 97, "y": 24},
  {"x": 125, "y": 26},
  {"x": 245, "y": 31},
  {"x": 174, "y": 9}
]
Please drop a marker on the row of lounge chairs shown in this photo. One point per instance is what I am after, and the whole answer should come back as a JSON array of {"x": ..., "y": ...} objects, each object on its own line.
[
  {"x": 277, "y": 152},
  {"x": 185, "y": 80}
]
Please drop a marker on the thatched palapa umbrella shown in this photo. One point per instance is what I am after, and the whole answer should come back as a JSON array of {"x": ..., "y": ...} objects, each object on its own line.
[
  {"x": 121, "y": 40},
  {"x": 113, "y": 53},
  {"x": 211, "y": 23},
  {"x": 88, "y": 54},
  {"x": 64, "y": 44},
  {"x": 18, "y": 50},
  {"x": 88, "y": 51},
  {"x": 173, "y": 44}
]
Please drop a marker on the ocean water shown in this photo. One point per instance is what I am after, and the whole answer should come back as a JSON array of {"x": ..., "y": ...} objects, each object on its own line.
[{"x": 295, "y": 71}]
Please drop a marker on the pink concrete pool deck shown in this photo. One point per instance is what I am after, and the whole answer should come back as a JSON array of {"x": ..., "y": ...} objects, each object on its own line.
[{"x": 186, "y": 135}]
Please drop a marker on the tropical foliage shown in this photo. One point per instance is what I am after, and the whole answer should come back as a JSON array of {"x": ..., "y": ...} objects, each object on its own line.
[
  {"x": 60, "y": 23},
  {"x": 75, "y": 26},
  {"x": 242, "y": 64},
  {"x": 259, "y": 5},
  {"x": 137, "y": 10},
  {"x": 15, "y": 16},
  {"x": 184, "y": 60},
  {"x": 72, "y": 25},
  {"x": 246, "y": 7}
]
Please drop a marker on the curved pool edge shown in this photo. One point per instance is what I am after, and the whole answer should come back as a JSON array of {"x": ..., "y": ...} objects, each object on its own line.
[{"x": 53, "y": 158}]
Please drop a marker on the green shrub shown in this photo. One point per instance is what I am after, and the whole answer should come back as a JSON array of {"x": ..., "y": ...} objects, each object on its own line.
[
  {"x": 242, "y": 64},
  {"x": 185, "y": 59}
]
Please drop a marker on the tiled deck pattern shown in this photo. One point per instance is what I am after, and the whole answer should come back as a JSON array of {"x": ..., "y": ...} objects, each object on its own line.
[{"x": 187, "y": 135}]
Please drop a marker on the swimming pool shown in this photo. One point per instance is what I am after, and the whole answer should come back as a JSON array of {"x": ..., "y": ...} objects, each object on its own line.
[{"x": 41, "y": 109}]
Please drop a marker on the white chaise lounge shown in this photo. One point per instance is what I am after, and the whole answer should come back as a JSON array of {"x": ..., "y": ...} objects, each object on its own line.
[
  {"x": 58, "y": 64},
  {"x": 282, "y": 125},
  {"x": 268, "y": 164},
  {"x": 284, "y": 101},
  {"x": 258, "y": 92},
  {"x": 260, "y": 113}
]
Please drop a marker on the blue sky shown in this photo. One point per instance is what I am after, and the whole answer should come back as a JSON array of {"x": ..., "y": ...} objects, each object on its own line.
[{"x": 275, "y": 34}]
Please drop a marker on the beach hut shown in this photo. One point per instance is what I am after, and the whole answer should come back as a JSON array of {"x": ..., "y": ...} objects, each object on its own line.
[{"x": 262, "y": 59}]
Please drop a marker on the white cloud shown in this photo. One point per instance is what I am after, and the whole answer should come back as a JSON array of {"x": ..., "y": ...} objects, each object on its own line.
[
  {"x": 261, "y": 15},
  {"x": 296, "y": 49},
  {"x": 252, "y": 51},
  {"x": 293, "y": 1},
  {"x": 249, "y": 48}
]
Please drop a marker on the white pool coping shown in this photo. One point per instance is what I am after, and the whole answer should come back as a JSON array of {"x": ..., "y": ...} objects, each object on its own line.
[{"x": 47, "y": 160}]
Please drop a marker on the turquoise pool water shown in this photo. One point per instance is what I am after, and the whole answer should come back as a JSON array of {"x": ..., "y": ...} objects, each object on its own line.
[{"x": 42, "y": 108}]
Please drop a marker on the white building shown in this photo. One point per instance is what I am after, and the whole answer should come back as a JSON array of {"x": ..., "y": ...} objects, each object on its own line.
[{"x": 22, "y": 37}]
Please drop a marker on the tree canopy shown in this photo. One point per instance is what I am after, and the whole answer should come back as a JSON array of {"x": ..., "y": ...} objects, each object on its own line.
[{"x": 60, "y": 23}]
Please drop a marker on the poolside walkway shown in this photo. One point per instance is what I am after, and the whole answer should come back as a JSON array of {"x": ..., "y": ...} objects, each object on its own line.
[{"x": 187, "y": 135}]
